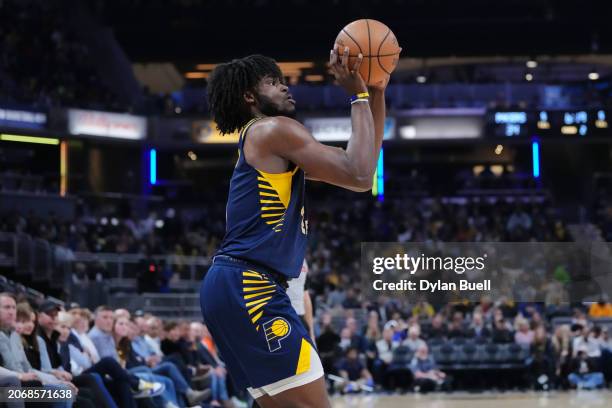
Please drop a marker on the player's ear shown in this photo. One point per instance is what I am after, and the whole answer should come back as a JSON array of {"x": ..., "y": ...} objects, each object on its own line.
[{"x": 249, "y": 97}]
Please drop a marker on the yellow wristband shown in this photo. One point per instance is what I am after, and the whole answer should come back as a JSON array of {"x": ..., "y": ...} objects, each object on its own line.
[{"x": 363, "y": 95}]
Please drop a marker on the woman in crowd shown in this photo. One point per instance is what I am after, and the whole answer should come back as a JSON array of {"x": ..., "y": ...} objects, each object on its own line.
[
  {"x": 123, "y": 333},
  {"x": 90, "y": 390}
]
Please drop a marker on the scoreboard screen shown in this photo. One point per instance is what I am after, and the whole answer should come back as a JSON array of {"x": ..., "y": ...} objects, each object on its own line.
[{"x": 548, "y": 123}]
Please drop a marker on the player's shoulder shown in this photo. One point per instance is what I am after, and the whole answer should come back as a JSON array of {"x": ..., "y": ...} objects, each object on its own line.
[{"x": 275, "y": 125}]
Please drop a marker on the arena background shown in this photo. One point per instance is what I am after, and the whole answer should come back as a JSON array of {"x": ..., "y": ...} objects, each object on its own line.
[{"x": 114, "y": 179}]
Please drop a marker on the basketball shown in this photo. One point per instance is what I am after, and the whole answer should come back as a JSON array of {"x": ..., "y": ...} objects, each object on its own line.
[
  {"x": 279, "y": 328},
  {"x": 378, "y": 45}
]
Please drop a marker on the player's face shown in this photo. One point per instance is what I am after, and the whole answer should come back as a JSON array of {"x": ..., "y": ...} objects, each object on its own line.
[{"x": 274, "y": 99}]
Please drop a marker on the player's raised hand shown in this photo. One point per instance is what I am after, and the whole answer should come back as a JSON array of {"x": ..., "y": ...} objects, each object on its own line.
[{"x": 348, "y": 78}]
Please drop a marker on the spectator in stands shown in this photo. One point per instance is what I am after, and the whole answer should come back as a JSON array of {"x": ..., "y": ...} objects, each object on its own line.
[
  {"x": 562, "y": 343},
  {"x": 477, "y": 329},
  {"x": 414, "y": 340},
  {"x": 588, "y": 341},
  {"x": 502, "y": 331},
  {"x": 153, "y": 333},
  {"x": 603, "y": 308},
  {"x": 524, "y": 335},
  {"x": 328, "y": 344},
  {"x": 80, "y": 327},
  {"x": 351, "y": 301},
  {"x": 542, "y": 359},
  {"x": 384, "y": 347},
  {"x": 357, "y": 339},
  {"x": 354, "y": 373},
  {"x": 26, "y": 325},
  {"x": 13, "y": 355},
  {"x": 584, "y": 373},
  {"x": 427, "y": 376},
  {"x": 220, "y": 396},
  {"x": 165, "y": 373},
  {"x": 91, "y": 380},
  {"x": 101, "y": 334},
  {"x": 423, "y": 310},
  {"x": 456, "y": 328},
  {"x": 438, "y": 329}
]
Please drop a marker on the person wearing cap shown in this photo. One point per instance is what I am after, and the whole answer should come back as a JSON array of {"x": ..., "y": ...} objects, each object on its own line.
[
  {"x": 47, "y": 320},
  {"x": 14, "y": 358}
]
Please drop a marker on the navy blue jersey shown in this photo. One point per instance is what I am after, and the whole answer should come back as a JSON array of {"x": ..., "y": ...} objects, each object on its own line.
[{"x": 265, "y": 216}]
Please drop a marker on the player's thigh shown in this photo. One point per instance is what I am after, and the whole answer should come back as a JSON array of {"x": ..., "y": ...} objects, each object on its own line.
[{"x": 311, "y": 395}]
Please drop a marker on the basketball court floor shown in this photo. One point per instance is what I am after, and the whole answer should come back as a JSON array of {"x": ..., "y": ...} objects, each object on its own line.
[{"x": 578, "y": 399}]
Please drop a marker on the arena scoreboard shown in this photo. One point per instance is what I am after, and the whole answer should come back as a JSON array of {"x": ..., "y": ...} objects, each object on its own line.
[{"x": 548, "y": 123}]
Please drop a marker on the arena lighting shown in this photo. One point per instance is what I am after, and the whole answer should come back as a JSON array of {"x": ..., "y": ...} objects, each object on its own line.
[
  {"x": 378, "y": 184},
  {"x": 529, "y": 77},
  {"x": 63, "y": 168},
  {"x": 593, "y": 76},
  {"x": 153, "y": 166},
  {"x": 531, "y": 64},
  {"x": 421, "y": 79},
  {"x": 29, "y": 139},
  {"x": 535, "y": 157},
  {"x": 499, "y": 149}
]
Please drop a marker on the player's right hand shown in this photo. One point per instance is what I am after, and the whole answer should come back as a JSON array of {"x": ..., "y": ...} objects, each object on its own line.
[{"x": 348, "y": 78}]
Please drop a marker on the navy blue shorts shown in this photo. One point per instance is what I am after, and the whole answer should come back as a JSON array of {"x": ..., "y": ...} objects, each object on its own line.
[{"x": 264, "y": 344}]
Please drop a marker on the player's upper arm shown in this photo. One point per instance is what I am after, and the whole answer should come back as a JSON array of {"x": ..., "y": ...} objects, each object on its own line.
[{"x": 289, "y": 139}]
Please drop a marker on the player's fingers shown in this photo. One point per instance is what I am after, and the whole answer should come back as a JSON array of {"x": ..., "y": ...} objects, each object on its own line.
[
  {"x": 333, "y": 58},
  {"x": 345, "y": 56},
  {"x": 358, "y": 63}
]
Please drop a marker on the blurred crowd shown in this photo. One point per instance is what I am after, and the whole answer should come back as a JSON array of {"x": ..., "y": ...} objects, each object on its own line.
[
  {"x": 110, "y": 358},
  {"x": 481, "y": 345},
  {"x": 48, "y": 66}
]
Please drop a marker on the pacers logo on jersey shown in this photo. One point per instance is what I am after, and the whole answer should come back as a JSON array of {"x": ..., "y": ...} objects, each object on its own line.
[{"x": 276, "y": 330}]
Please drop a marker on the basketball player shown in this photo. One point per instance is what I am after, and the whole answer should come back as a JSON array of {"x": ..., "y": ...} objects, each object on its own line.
[{"x": 265, "y": 346}]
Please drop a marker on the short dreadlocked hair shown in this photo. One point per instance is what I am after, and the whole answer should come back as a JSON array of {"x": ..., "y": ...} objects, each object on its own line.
[{"x": 227, "y": 85}]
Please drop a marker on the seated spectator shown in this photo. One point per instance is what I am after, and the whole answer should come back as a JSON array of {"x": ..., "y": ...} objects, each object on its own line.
[
  {"x": 456, "y": 328},
  {"x": 357, "y": 339},
  {"x": 423, "y": 310},
  {"x": 427, "y": 376},
  {"x": 477, "y": 329},
  {"x": 542, "y": 360},
  {"x": 561, "y": 343},
  {"x": 414, "y": 341},
  {"x": 584, "y": 374},
  {"x": 220, "y": 396},
  {"x": 328, "y": 344},
  {"x": 524, "y": 335},
  {"x": 438, "y": 329},
  {"x": 175, "y": 384},
  {"x": 502, "y": 332},
  {"x": 80, "y": 327},
  {"x": 354, "y": 373},
  {"x": 152, "y": 335},
  {"x": 587, "y": 341},
  {"x": 384, "y": 347},
  {"x": 13, "y": 355}
]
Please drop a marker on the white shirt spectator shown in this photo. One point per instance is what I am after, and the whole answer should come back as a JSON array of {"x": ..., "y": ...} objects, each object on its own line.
[{"x": 88, "y": 345}]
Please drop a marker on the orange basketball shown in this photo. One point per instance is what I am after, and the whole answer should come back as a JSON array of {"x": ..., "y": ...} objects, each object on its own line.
[{"x": 378, "y": 45}]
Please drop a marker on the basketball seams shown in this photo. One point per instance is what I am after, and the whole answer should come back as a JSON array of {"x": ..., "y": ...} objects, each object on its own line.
[
  {"x": 356, "y": 43},
  {"x": 378, "y": 52},
  {"x": 369, "y": 52}
]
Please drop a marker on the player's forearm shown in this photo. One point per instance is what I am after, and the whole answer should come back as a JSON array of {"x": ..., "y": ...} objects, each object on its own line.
[
  {"x": 379, "y": 112},
  {"x": 361, "y": 148}
]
